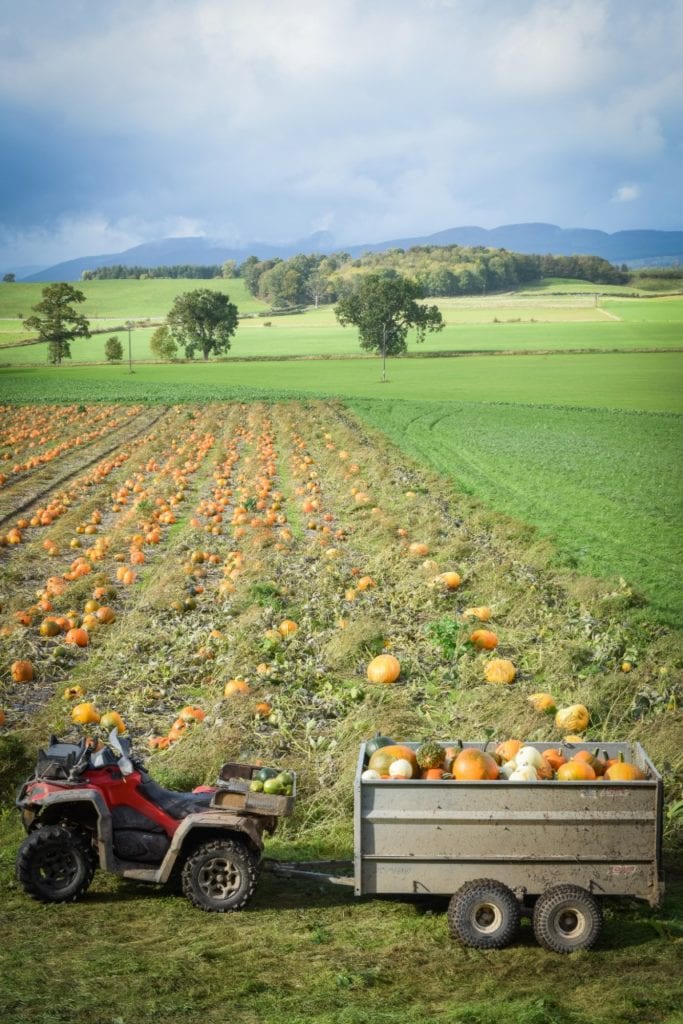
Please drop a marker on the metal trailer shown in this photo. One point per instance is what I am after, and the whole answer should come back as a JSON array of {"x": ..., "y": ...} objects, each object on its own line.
[{"x": 498, "y": 848}]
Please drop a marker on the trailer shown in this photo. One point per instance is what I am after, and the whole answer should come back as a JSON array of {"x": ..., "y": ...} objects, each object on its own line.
[{"x": 500, "y": 848}]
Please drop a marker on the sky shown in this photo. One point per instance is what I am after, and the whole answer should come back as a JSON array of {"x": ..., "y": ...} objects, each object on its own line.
[{"x": 125, "y": 121}]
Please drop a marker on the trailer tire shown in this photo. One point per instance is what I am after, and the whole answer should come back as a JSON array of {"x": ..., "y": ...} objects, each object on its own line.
[
  {"x": 484, "y": 914},
  {"x": 55, "y": 865},
  {"x": 220, "y": 876},
  {"x": 567, "y": 918}
]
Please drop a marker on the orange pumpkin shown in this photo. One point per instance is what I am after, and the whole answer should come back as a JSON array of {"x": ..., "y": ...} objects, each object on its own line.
[
  {"x": 575, "y": 771},
  {"x": 484, "y": 639},
  {"x": 623, "y": 771},
  {"x": 112, "y": 720},
  {"x": 236, "y": 687},
  {"x": 472, "y": 765},
  {"x": 508, "y": 749},
  {"x": 573, "y": 719},
  {"x": 22, "y": 671},
  {"x": 85, "y": 714},
  {"x": 78, "y": 637},
  {"x": 449, "y": 580},
  {"x": 499, "y": 670},
  {"x": 482, "y": 613},
  {"x": 385, "y": 668},
  {"x": 542, "y": 702},
  {"x": 288, "y": 627},
  {"x": 555, "y": 758},
  {"x": 192, "y": 713}
]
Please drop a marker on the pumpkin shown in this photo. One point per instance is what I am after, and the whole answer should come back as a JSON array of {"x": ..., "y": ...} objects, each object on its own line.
[
  {"x": 78, "y": 637},
  {"x": 499, "y": 670},
  {"x": 573, "y": 719},
  {"x": 366, "y": 583},
  {"x": 112, "y": 720},
  {"x": 385, "y": 668},
  {"x": 105, "y": 614},
  {"x": 85, "y": 714},
  {"x": 575, "y": 771},
  {"x": 449, "y": 580},
  {"x": 235, "y": 687},
  {"x": 288, "y": 627},
  {"x": 401, "y": 768},
  {"x": 73, "y": 692},
  {"x": 554, "y": 757},
  {"x": 483, "y": 613},
  {"x": 592, "y": 759},
  {"x": 542, "y": 702},
  {"x": 507, "y": 750},
  {"x": 2, "y": 718},
  {"x": 385, "y": 756},
  {"x": 192, "y": 713},
  {"x": 418, "y": 549},
  {"x": 22, "y": 671},
  {"x": 623, "y": 771},
  {"x": 376, "y": 742},
  {"x": 484, "y": 639},
  {"x": 473, "y": 765},
  {"x": 50, "y": 627},
  {"x": 263, "y": 709}
]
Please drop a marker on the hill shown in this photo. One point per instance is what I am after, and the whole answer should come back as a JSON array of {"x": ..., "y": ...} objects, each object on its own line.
[{"x": 642, "y": 247}]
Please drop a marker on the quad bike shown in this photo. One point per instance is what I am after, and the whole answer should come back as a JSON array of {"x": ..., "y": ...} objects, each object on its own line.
[{"x": 85, "y": 808}]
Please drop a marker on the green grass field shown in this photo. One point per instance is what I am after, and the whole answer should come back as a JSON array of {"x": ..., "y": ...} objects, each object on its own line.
[
  {"x": 589, "y": 479},
  {"x": 533, "y": 320}
]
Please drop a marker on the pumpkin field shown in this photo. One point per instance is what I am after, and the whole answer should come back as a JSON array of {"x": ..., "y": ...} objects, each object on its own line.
[{"x": 218, "y": 578}]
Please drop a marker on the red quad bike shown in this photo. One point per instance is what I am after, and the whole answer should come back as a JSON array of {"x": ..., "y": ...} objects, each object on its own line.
[{"x": 84, "y": 809}]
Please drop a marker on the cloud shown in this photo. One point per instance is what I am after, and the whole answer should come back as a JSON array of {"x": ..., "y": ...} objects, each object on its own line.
[
  {"x": 399, "y": 117},
  {"x": 627, "y": 194}
]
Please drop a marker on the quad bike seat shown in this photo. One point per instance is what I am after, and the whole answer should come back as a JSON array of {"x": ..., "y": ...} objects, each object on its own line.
[{"x": 177, "y": 805}]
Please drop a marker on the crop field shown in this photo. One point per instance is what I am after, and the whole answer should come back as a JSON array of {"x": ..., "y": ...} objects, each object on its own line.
[{"x": 156, "y": 552}]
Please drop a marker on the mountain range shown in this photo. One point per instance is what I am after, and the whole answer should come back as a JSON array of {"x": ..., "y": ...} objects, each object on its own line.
[{"x": 635, "y": 248}]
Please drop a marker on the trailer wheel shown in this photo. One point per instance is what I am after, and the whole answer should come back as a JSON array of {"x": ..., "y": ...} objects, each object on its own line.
[
  {"x": 567, "y": 918},
  {"x": 55, "y": 865},
  {"x": 484, "y": 914},
  {"x": 220, "y": 876}
]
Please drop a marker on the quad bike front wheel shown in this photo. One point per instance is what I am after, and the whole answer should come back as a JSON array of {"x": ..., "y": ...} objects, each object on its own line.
[
  {"x": 55, "y": 865},
  {"x": 220, "y": 876}
]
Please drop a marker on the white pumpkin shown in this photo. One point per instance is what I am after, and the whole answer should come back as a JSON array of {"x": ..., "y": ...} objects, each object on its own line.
[
  {"x": 529, "y": 755},
  {"x": 370, "y": 775},
  {"x": 508, "y": 768},
  {"x": 527, "y": 773},
  {"x": 401, "y": 769}
]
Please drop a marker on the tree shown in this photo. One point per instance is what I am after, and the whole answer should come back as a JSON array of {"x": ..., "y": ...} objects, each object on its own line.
[
  {"x": 9, "y": 278},
  {"x": 113, "y": 349},
  {"x": 162, "y": 344},
  {"x": 202, "y": 319},
  {"x": 383, "y": 308},
  {"x": 57, "y": 322}
]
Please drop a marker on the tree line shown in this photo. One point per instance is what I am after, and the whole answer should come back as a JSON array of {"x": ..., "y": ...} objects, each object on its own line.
[{"x": 439, "y": 271}]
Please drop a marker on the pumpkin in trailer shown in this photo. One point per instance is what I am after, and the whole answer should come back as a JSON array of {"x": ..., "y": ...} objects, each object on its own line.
[
  {"x": 474, "y": 765},
  {"x": 621, "y": 770},
  {"x": 383, "y": 757},
  {"x": 575, "y": 771}
]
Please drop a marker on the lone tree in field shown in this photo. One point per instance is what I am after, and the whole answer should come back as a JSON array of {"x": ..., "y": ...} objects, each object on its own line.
[
  {"x": 384, "y": 308},
  {"x": 113, "y": 349},
  {"x": 162, "y": 344},
  {"x": 202, "y": 319},
  {"x": 57, "y": 322}
]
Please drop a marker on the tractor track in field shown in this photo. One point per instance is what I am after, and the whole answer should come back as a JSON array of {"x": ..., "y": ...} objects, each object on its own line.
[{"x": 47, "y": 480}]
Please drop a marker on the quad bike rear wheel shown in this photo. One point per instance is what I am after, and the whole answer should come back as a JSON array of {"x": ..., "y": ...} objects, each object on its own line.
[
  {"x": 55, "y": 865},
  {"x": 220, "y": 875}
]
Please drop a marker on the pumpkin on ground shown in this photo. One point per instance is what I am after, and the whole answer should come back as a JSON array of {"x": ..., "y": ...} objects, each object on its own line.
[
  {"x": 499, "y": 670},
  {"x": 573, "y": 719},
  {"x": 22, "y": 671},
  {"x": 484, "y": 639},
  {"x": 85, "y": 714},
  {"x": 385, "y": 668}
]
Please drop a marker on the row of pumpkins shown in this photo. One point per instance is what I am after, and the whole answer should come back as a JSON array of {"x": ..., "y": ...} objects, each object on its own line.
[{"x": 511, "y": 760}]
